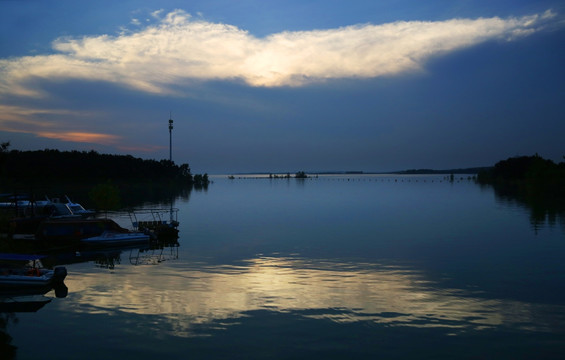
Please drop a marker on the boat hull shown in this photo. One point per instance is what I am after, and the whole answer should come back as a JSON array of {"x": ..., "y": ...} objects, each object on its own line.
[
  {"x": 63, "y": 231},
  {"x": 19, "y": 281},
  {"x": 31, "y": 280}
]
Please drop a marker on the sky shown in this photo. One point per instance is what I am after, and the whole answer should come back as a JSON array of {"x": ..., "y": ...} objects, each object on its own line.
[{"x": 286, "y": 86}]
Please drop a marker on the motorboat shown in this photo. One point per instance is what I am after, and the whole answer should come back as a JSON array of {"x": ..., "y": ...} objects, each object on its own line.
[
  {"x": 75, "y": 231},
  {"x": 28, "y": 215},
  {"x": 22, "y": 272},
  {"x": 43, "y": 219},
  {"x": 113, "y": 238},
  {"x": 22, "y": 205},
  {"x": 67, "y": 231}
]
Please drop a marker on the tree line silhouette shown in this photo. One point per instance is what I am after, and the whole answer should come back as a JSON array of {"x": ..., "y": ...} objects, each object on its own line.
[
  {"x": 532, "y": 170},
  {"x": 90, "y": 165},
  {"x": 537, "y": 183}
]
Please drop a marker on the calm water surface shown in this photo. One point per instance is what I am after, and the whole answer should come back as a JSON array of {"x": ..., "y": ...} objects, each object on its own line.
[{"x": 334, "y": 267}]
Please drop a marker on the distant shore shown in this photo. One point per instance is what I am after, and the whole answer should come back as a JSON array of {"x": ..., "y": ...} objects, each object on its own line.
[{"x": 466, "y": 171}]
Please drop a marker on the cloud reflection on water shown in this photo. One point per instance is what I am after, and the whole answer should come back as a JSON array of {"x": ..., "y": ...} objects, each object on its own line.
[{"x": 204, "y": 294}]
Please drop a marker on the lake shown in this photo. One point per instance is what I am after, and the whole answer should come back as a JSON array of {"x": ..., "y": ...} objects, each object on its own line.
[{"x": 333, "y": 267}]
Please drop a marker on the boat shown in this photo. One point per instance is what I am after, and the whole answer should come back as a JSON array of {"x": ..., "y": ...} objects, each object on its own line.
[
  {"x": 113, "y": 238},
  {"x": 24, "y": 205},
  {"x": 81, "y": 231},
  {"x": 29, "y": 214},
  {"x": 23, "y": 273},
  {"x": 67, "y": 231}
]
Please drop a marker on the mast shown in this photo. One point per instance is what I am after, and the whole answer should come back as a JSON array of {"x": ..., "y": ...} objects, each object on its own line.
[{"x": 171, "y": 137}]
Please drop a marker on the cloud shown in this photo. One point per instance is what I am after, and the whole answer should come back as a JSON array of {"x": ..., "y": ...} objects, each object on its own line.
[
  {"x": 50, "y": 123},
  {"x": 21, "y": 115},
  {"x": 84, "y": 137},
  {"x": 180, "y": 49}
]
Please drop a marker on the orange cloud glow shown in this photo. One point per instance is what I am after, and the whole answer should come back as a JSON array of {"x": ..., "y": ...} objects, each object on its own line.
[{"x": 82, "y": 137}]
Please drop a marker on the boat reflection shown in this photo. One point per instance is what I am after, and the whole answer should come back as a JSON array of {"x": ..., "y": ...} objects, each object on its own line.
[
  {"x": 152, "y": 254},
  {"x": 13, "y": 303},
  {"x": 201, "y": 294},
  {"x": 164, "y": 251},
  {"x": 22, "y": 303},
  {"x": 18, "y": 300},
  {"x": 109, "y": 257}
]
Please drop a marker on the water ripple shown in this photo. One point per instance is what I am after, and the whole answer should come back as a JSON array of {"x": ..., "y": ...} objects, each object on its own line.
[{"x": 341, "y": 292}]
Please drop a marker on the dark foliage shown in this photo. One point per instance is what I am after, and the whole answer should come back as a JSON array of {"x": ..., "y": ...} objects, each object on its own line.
[
  {"x": 57, "y": 173},
  {"x": 76, "y": 165},
  {"x": 537, "y": 183},
  {"x": 533, "y": 170},
  {"x": 200, "y": 181}
]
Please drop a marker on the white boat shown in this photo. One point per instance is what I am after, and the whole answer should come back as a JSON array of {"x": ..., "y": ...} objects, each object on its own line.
[
  {"x": 113, "y": 238},
  {"x": 25, "y": 272},
  {"x": 22, "y": 206}
]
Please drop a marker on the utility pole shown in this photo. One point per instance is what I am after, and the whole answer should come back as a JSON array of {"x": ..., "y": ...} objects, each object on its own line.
[
  {"x": 171, "y": 137},
  {"x": 171, "y": 156}
]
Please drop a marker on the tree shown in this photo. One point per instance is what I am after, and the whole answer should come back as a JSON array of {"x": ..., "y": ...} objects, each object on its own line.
[
  {"x": 3, "y": 151},
  {"x": 184, "y": 171},
  {"x": 106, "y": 196}
]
